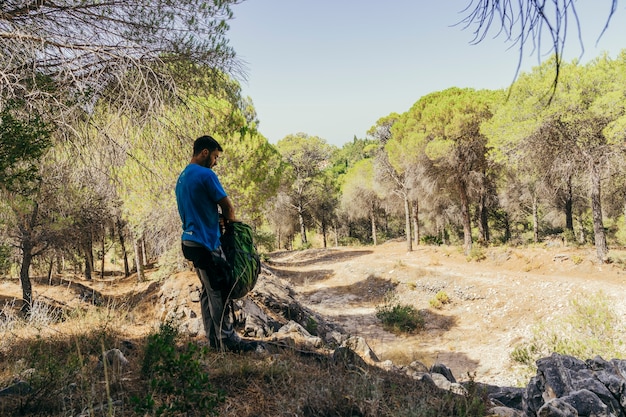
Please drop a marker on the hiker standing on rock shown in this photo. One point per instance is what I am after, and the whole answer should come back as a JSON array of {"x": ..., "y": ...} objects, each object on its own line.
[{"x": 199, "y": 194}]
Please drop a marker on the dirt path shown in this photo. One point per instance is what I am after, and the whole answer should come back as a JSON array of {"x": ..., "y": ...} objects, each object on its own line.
[{"x": 494, "y": 302}]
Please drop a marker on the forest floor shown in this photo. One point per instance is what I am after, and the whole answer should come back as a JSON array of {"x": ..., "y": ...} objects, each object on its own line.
[{"x": 495, "y": 303}]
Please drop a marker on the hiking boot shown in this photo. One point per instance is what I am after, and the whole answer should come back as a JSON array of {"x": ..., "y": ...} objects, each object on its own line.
[{"x": 238, "y": 344}]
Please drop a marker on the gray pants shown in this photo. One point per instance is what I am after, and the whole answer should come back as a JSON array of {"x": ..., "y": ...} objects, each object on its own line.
[
  {"x": 217, "y": 316},
  {"x": 216, "y": 313}
]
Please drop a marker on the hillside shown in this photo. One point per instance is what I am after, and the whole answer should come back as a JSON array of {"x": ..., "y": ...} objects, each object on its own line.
[{"x": 495, "y": 303}]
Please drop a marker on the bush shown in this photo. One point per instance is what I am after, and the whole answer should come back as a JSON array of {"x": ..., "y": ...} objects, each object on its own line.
[
  {"x": 178, "y": 382},
  {"x": 431, "y": 240},
  {"x": 399, "y": 318},
  {"x": 441, "y": 298},
  {"x": 349, "y": 241},
  {"x": 265, "y": 240}
]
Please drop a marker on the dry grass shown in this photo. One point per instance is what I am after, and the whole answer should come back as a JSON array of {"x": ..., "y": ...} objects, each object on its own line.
[{"x": 59, "y": 357}]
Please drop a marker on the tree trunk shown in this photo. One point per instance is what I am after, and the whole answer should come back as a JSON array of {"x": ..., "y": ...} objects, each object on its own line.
[
  {"x": 407, "y": 224},
  {"x": 50, "y": 267},
  {"x": 324, "y": 230},
  {"x": 302, "y": 227},
  {"x": 139, "y": 261},
  {"x": 373, "y": 222},
  {"x": 120, "y": 232},
  {"x": 27, "y": 289},
  {"x": 60, "y": 263},
  {"x": 483, "y": 219},
  {"x": 416, "y": 223},
  {"x": 507, "y": 227},
  {"x": 535, "y": 219},
  {"x": 144, "y": 256},
  {"x": 103, "y": 255},
  {"x": 569, "y": 204},
  {"x": 596, "y": 210},
  {"x": 88, "y": 249},
  {"x": 467, "y": 220}
]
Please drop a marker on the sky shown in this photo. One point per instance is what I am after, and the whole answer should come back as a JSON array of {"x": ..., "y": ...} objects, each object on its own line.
[{"x": 332, "y": 68}]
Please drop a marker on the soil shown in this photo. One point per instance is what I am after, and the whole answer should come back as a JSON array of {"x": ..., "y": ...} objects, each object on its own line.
[{"x": 494, "y": 303}]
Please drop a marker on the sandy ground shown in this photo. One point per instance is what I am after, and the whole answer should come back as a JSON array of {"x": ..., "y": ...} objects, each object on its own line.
[{"x": 495, "y": 303}]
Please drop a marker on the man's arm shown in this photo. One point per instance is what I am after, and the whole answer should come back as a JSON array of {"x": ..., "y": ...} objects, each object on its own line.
[{"x": 228, "y": 210}]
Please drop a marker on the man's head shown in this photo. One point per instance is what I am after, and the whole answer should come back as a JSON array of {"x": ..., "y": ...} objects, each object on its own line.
[{"x": 206, "y": 150}]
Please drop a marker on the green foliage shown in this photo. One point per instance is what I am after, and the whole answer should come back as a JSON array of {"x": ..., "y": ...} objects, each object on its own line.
[
  {"x": 265, "y": 240},
  {"x": 441, "y": 299},
  {"x": 399, "y": 318},
  {"x": 304, "y": 246},
  {"x": 431, "y": 240},
  {"x": 5, "y": 259},
  {"x": 351, "y": 153},
  {"x": 24, "y": 138},
  {"x": 311, "y": 326},
  {"x": 591, "y": 328},
  {"x": 620, "y": 230},
  {"x": 179, "y": 383},
  {"x": 349, "y": 241}
]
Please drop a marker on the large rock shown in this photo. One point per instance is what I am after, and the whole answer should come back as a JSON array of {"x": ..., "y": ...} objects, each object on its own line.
[{"x": 563, "y": 383}]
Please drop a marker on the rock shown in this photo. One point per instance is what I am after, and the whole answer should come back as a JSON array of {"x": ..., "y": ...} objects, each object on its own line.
[
  {"x": 505, "y": 412},
  {"x": 297, "y": 334},
  {"x": 348, "y": 358},
  {"x": 443, "y": 370},
  {"x": 360, "y": 346},
  {"x": 564, "y": 383},
  {"x": 18, "y": 388},
  {"x": 508, "y": 397}
]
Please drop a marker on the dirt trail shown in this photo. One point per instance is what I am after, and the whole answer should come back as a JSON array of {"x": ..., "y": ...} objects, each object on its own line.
[{"x": 494, "y": 302}]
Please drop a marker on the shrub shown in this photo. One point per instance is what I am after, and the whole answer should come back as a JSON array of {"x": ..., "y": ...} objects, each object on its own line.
[
  {"x": 431, "y": 240},
  {"x": 265, "y": 240},
  {"x": 441, "y": 298},
  {"x": 399, "y": 318},
  {"x": 178, "y": 382}
]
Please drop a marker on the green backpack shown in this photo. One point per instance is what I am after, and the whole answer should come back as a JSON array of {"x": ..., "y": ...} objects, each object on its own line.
[{"x": 241, "y": 254}]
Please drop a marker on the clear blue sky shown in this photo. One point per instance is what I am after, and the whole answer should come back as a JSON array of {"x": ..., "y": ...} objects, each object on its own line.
[{"x": 332, "y": 68}]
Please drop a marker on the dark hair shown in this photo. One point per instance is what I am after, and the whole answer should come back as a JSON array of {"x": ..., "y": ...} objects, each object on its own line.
[{"x": 205, "y": 142}]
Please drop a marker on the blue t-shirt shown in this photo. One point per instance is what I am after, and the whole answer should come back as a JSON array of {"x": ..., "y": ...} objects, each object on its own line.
[{"x": 197, "y": 192}]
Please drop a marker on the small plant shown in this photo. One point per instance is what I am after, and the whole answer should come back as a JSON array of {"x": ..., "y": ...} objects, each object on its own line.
[
  {"x": 305, "y": 246},
  {"x": 477, "y": 254},
  {"x": 399, "y": 318},
  {"x": 399, "y": 264},
  {"x": 311, "y": 326},
  {"x": 178, "y": 382},
  {"x": 577, "y": 259},
  {"x": 441, "y": 298},
  {"x": 431, "y": 240}
]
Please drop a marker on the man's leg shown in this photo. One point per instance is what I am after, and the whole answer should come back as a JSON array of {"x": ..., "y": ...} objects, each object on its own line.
[
  {"x": 218, "y": 323},
  {"x": 205, "y": 310}
]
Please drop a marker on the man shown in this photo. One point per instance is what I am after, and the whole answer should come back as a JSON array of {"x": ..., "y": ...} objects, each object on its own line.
[{"x": 199, "y": 193}]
